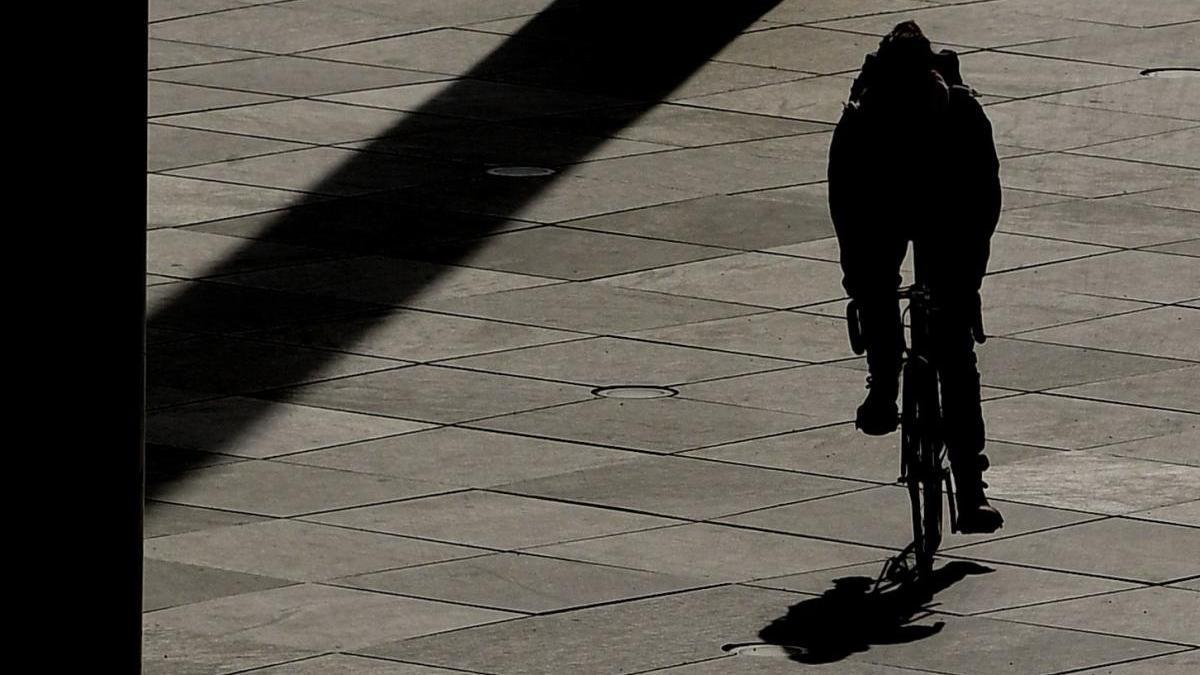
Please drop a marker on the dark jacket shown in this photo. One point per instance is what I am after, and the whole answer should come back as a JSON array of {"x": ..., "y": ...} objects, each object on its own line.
[{"x": 933, "y": 178}]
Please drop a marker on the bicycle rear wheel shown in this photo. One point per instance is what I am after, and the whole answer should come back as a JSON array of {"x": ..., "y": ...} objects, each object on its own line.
[{"x": 921, "y": 457}]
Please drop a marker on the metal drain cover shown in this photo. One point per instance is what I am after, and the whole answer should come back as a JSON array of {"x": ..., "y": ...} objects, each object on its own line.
[
  {"x": 1171, "y": 72},
  {"x": 634, "y": 391},
  {"x": 763, "y": 649},
  {"x": 520, "y": 171}
]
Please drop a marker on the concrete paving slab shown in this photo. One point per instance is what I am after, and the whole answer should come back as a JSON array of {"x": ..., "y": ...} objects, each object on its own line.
[
  {"x": 1074, "y": 424},
  {"x": 522, "y": 583},
  {"x": 324, "y": 171},
  {"x": 750, "y": 278},
  {"x": 165, "y": 10},
  {"x": 474, "y": 100},
  {"x": 791, "y": 11},
  {"x": 170, "y": 584},
  {"x": 1165, "y": 46},
  {"x": 681, "y": 487},
  {"x": 1187, "y": 513},
  {"x": 268, "y": 488},
  {"x": 167, "y": 651},
  {"x": 1187, "y": 247},
  {"x": 1013, "y": 310},
  {"x": 1047, "y": 126},
  {"x": 1030, "y": 366},
  {"x": 414, "y": 335},
  {"x": 822, "y": 394},
  {"x": 713, "y": 552},
  {"x": 784, "y": 335},
  {"x": 350, "y": 665},
  {"x": 293, "y": 76},
  {"x": 265, "y": 429},
  {"x": 169, "y": 98},
  {"x": 1172, "y": 664},
  {"x": 810, "y": 99},
  {"x": 665, "y": 425},
  {"x": 434, "y": 394},
  {"x": 447, "y": 51},
  {"x": 1109, "y": 222},
  {"x": 207, "y": 307},
  {"x": 1158, "y": 14},
  {"x": 298, "y": 551},
  {"x": 1078, "y": 176},
  {"x": 589, "y": 307},
  {"x": 1121, "y": 548},
  {"x": 1176, "y": 389},
  {"x": 604, "y": 361},
  {"x": 186, "y": 368},
  {"x": 320, "y": 618},
  {"x": 176, "y": 147},
  {"x": 823, "y": 52},
  {"x": 737, "y": 664},
  {"x": 968, "y": 25},
  {"x": 1161, "y": 332},
  {"x": 298, "y": 120},
  {"x": 163, "y": 54},
  {"x": 1148, "y": 613},
  {"x": 1183, "y": 195},
  {"x": 976, "y": 588},
  {"x": 162, "y": 519},
  {"x": 841, "y": 451},
  {"x": 574, "y": 254},
  {"x": 462, "y": 457},
  {"x": 627, "y": 637},
  {"x": 1009, "y": 251},
  {"x": 1130, "y": 275},
  {"x": 188, "y": 254},
  {"x": 736, "y": 222},
  {"x": 1013, "y": 75},
  {"x": 891, "y": 523},
  {"x": 487, "y": 519},
  {"x": 1095, "y": 481},
  {"x": 173, "y": 201},
  {"x": 1169, "y": 97},
  {"x": 285, "y": 29},
  {"x": 1179, "y": 448},
  {"x": 1175, "y": 148}
]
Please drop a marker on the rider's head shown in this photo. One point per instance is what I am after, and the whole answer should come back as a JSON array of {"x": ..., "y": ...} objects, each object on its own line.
[{"x": 909, "y": 79}]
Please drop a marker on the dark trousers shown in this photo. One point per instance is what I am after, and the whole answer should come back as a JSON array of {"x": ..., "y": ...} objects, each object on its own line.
[{"x": 871, "y": 267}]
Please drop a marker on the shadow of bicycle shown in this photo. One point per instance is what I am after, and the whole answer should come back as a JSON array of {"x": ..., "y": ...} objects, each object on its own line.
[{"x": 853, "y": 616}]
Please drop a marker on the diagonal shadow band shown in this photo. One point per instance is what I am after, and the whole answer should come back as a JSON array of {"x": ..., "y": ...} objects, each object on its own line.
[{"x": 622, "y": 54}]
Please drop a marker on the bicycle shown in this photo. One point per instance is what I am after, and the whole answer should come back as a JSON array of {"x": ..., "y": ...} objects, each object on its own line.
[{"x": 924, "y": 465}]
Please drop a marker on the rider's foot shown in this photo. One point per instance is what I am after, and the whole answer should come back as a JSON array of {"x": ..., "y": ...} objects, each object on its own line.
[
  {"x": 975, "y": 514},
  {"x": 877, "y": 415}
]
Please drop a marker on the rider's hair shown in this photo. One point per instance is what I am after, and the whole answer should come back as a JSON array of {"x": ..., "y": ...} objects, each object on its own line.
[{"x": 905, "y": 45}]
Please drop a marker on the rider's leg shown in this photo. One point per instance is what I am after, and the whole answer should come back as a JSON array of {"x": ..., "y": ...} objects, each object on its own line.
[
  {"x": 962, "y": 414},
  {"x": 872, "y": 277}
]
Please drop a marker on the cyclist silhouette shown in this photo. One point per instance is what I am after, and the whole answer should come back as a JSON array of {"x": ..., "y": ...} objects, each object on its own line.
[{"x": 912, "y": 159}]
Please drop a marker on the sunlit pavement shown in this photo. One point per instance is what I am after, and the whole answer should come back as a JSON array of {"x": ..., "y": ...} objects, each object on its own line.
[{"x": 482, "y": 341}]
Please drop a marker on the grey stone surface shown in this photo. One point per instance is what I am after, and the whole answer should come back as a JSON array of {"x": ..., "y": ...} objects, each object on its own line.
[
  {"x": 1149, "y": 613},
  {"x": 522, "y": 583},
  {"x": 434, "y": 394},
  {"x": 272, "y": 489},
  {"x": 1004, "y": 74},
  {"x": 346, "y": 664},
  {"x": 982, "y": 588},
  {"x": 1174, "y": 148},
  {"x": 174, "y": 147},
  {"x": 968, "y": 25},
  {"x": 780, "y": 334},
  {"x": 297, "y": 120},
  {"x": 818, "y": 99},
  {"x": 1113, "y": 222},
  {"x": 449, "y": 51},
  {"x": 664, "y": 425},
  {"x": 1169, "y": 97},
  {"x": 298, "y": 551},
  {"x": 1114, "y": 547},
  {"x": 1122, "y": 46},
  {"x": 198, "y": 254},
  {"x": 169, "y": 98},
  {"x": 681, "y": 487},
  {"x": 607, "y": 361},
  {"x": 163, "y": 54},
  {"x": 1172, "y": 664},
  {"x": 891, "y": 523},
  {"x": 292, "y": 76},
  {"x": 1161, "y": 331},
  {"x": 1095, "y": 481},
  {"x": 473, "y": 99},
  {"x": 1073, "y": 424},
  {"x": 1131, "y": 275},
  {"x": 175, "y": 201},
  {"x": 819, "y": 394},
  {"x": 824, "y": 51},
  {"x": 1178, "y": 389},
  {"x": 1021, "y": 364},
  {"x": 462, "y": 457},
  {"x": 1011, "y": 310},
  {"x": 280, "y": 429},
  {"x": 170, "y": 584},
  {"x": 1048, "y": 126},
  {"x": 172, "y": 651},
  {"x": 492, "y": 520},
  {"x": 1187, "y": 513},
  {"x": 1179, "y": 448},
  {"x": 1070, "y": 175},
  {"x": 1158, "y": 14},
  {"x": 165, "y": 519},
  {"x": 319, "y": 618},
  {"x": 578, "y": 307}
]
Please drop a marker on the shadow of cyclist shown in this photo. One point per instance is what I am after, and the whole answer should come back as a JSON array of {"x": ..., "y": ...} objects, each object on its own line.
[{"x": 849, "y": 617}]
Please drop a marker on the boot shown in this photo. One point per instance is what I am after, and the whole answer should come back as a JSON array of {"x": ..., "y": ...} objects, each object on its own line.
[
  {"x": 877, "y": 416},
  {"x": 975, "y": 514}
]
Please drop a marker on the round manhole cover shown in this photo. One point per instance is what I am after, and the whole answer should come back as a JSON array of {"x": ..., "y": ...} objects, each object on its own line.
[
  {"x": 763, "y": 649},
  {"x": 1171, "y": 72},
  {"x": 520, "y": 171},
  {"x": 634, "y": 391}
]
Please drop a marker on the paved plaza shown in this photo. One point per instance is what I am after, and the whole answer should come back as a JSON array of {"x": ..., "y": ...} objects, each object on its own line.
[{"x": 406, "y": 258}]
